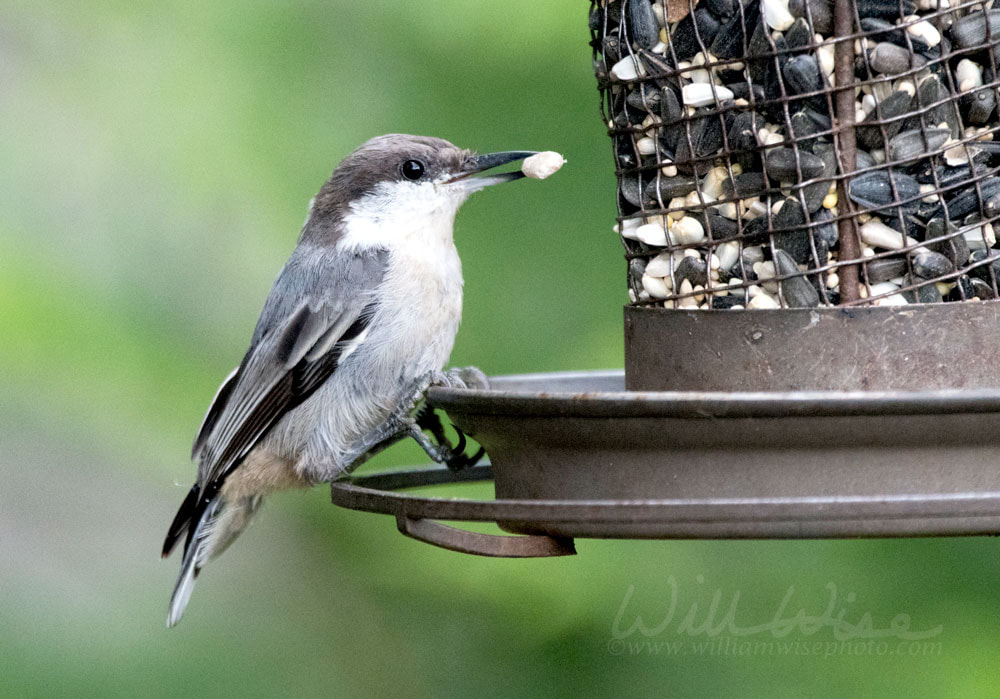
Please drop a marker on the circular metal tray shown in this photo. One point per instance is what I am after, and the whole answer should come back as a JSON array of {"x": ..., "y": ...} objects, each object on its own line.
[{"x": 574, "y": 455}]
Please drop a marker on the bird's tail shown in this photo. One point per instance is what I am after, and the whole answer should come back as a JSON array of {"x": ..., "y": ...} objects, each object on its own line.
[{"x": 217, "y": 527}]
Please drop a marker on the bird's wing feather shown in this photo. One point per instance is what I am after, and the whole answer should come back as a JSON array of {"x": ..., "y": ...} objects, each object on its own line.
[
  {"x": 319, "y": 303},
  {"x": 295, "y": 349},
  {"x": 212, "y": 414}
]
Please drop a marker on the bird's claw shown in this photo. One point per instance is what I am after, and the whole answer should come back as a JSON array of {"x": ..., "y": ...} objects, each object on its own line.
[
  {"x": 460, "y": 461},
  {"x": 453, "y": 457},
  {"x": 466, "y": 378}
]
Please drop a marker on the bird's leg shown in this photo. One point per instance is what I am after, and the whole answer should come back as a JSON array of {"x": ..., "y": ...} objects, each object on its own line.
[
  {"x": 393, "y": 430},
  {"x": 430, "y": 421},
  {"x": 402, "y": 425}
]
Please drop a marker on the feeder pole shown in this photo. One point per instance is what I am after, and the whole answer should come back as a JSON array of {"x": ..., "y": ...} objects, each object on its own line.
[{"x": 843, "y": 20}]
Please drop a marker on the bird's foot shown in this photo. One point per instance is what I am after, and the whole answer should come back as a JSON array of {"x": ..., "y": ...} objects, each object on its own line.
[
  {"x": 466, "y": 377},
  {"x": 443, "y": 452}
]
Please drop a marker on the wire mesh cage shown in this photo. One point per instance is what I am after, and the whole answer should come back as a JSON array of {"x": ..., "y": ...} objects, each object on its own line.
[{"x": 803, "y": 153}]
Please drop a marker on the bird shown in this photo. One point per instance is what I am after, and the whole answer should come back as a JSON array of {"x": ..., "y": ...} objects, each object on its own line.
[{"x": 359, "y": 323}]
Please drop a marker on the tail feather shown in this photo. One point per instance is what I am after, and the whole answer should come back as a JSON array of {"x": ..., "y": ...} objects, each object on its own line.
[
  {"x": 218, "y": 526},
  {"x": 195, "y": 555},
  {"x": 182, "y": 520}
]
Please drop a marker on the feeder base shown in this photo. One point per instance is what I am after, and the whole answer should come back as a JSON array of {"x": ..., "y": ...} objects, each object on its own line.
[{"x": 576, "y": 456}]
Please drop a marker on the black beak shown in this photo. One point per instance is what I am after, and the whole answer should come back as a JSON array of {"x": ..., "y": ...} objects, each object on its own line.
[{"x": 488, "y": 161}]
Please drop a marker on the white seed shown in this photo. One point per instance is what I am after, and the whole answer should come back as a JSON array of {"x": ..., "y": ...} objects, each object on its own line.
[
  {"x": 832, "y": 280},
  {"x": 906, "y": 86},
  {"x": 883, "y": 288},
  {"x": 728, "y": 254},
  {"x": 825, "y": 55},
  {"x": 693, "y": 199},
  {"x": 669, "y": 170},
  {"x": 541, "y": 165},
  {"x": 729, "y": 210},
  {"x": 645, "y": 146},
  {"x": 893, "y": 300},
  {"x": 773, "y": 139},
  {"x": 968, "y": 75},
  {"x": 631, "y": 296},
  {"x": 659, "y": 10},
  {"x": 959, "y": 154},
  {"x": 868, "y": 103},
  {"x": 763, "y": 300},
  {"x": 688, "y": 301},
  {"x": 711, "y": 186},
  {"x": 776, "y": 14},
  {"x": 927, "y": 189},
  {"x": 700, "y": 94},
  {"x": 652, "y": 234},
  {"x": 659, "y": 266},
  {"x": 701, "y": 77},
  {"x": 879, "y": 235},
  {"x": 765, "y": 270},
  {"x": 924, "y": 30},
  {"x": 687, "y": 230},
  {"x": 655, "y": 287},
  {"x": 628, "y": 68},
  {"x": 628, "y": 228}
]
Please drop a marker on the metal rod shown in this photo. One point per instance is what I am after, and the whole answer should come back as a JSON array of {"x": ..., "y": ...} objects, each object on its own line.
[{"x": 844, "y": 75}]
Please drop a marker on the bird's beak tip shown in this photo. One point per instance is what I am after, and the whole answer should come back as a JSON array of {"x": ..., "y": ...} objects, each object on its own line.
[{"x": 488, "y": 161}]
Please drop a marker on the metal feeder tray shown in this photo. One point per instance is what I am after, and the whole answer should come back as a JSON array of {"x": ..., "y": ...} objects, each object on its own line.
[{"x": 575, "y": 455}]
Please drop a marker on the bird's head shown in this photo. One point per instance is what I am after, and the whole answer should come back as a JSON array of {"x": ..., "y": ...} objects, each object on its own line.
[{"x": 396, "y": 184}]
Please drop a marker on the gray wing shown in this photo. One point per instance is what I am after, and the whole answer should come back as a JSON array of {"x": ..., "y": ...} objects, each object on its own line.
[{"x": 318, "y": 304}]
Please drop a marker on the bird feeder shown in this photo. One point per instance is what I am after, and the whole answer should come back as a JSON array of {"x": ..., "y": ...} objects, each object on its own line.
[{"x": 807, "y": 192}]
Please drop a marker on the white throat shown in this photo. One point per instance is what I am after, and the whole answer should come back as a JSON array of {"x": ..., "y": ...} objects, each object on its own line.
[{"x": 402, "y": 214}]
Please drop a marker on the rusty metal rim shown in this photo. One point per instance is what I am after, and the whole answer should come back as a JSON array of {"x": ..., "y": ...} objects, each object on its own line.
[
  {"x": 693, "y": 404},
  {"x": 357, "y": 494}
]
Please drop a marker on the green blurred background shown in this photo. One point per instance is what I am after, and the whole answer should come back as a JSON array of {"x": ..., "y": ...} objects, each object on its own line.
[{"x": 155, "y": 164}]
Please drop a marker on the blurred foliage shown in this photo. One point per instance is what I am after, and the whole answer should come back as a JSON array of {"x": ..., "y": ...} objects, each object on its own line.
[{"x": 155, "y": 164}]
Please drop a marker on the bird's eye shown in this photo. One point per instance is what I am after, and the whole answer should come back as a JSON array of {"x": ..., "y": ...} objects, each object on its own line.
[{"x": 413, "y": 169}]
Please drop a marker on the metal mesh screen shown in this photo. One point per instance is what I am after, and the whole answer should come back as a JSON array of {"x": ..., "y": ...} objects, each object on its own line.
[{"x": 799, "y": 153}]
